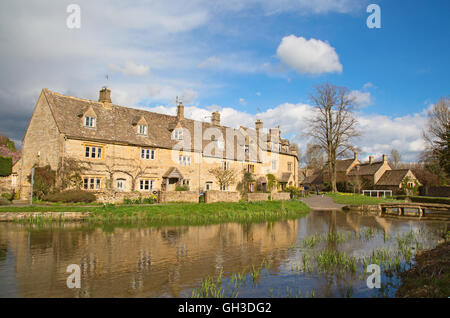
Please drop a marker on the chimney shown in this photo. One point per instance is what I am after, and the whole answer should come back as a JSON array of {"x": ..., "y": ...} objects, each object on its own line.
[
  {"x": 370, "y": 159},
  {"x": 385, "y": 158},
  {"x": 258, "y": 124},
  {"x": 355, "y": 155},
  {"x": 274, "y": 134},
  {"x": 215, "y": 118},
  {"x": 105, "y": 95},
  {"x": 180, "y": 111}
]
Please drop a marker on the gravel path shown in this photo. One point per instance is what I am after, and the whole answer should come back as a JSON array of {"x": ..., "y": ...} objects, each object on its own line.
[{"x": 318, "y": 202}]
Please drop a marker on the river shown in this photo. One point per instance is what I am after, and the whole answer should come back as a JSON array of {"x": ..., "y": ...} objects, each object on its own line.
[{"x": 142, "y": 261}]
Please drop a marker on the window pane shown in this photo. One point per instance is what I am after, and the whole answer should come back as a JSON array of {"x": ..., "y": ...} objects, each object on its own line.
[
  {"x": 92, "y": 122},
  {"x": 99, "y": 152},
  {"x": 87, "y": 152},
  {"x": 86, "y": 121},
  {"x": 85, "y": 183},
  {"x": 91, "y": 183},
  {"x": 98, "y": 184},
  {"x": 147, "y": 155},
  {"x": 143, "y": 153},
  {"x": 153, "y": 154}
]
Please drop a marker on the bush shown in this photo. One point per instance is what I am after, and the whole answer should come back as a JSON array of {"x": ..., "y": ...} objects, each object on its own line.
[
  {"x": 3, "y": 201},
  {"x": 5, "y": 166},
  {"x": 127, "y": 201},
  {"x": 8, "y": 196},
  {"x": 70, "y": 196},
  {"x": 44, "y": 181},
  {"x": 182, "y": 188}
]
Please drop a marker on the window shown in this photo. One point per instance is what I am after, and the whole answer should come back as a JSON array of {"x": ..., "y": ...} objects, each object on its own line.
[
  {"x": 120, "y": 184},
  {"x": 178, "y": 134},
  {"x": 14, "y": 180},
  {"x": 274, "y": 165},
  {"x": 184, "y": 160},
  {"x": 93, "y": 152},
  {"x": 185, "y": 182},
  {"x": 208, "y": 185},
  {"x": 246, "y": 149},
  {"x": 223, "y": 188},
  {"x": 148, "y": 154},
  {"x": 289, "y": 166},
  {"x": 92, "y": 183},
  {"x": 225, "y": 165},
  {"x": 145, "y": 185},
  {"x": 89, "y": 121},
  {"x": 142, "y": 130},
  {"x": 251, "y": 168}
]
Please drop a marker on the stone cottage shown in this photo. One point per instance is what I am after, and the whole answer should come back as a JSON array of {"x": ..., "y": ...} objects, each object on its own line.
[{"x": 133, "y": 150}]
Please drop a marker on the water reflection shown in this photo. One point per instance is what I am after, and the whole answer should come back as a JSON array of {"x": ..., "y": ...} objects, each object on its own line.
[{"x": 170, "y": 261}]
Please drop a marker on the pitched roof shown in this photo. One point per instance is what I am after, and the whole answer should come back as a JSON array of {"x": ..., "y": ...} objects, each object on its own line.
[
  {"x": 392, "y": 177},
  {"x": 173, "y": 173},
  {"x": 115, "y": 123},
  {"x": 285, "y": 177},
  {"x": 315, "y": 178},
  {"x": 343, "y": 165},
  {"x": 365, "y": 169}
]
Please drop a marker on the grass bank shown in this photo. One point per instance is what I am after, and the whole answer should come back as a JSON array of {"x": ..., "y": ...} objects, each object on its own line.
[
  {"x": 357, "y": 199},
  {"x": 430, "y": 277},
  {"x": 182, "y": 214}
]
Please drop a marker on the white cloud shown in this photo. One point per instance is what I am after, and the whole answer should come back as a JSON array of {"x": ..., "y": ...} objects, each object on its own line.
[
  {"x": 258, "y": 93},
  {"x": 361, "y": 99},
  {"x": 380, "y": 134},
  {"x": 131, "y": 68},
  {"x": 308, "y": 56},
  {"x": 242, "y": 101}
]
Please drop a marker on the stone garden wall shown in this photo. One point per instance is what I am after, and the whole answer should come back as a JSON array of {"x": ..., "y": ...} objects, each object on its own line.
[
  {"x": 178, "y": 196},
  {"x": 281, "y": 196},
  {"x": 221, "y": 196},
  {"x": 259, "y": 196}
]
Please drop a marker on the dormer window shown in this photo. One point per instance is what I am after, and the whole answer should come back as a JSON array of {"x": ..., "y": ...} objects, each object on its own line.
[
  {"x": 89, "y": 121},
  {"x": 142, "y": 130},
  {"x": 178, "y": 134}
]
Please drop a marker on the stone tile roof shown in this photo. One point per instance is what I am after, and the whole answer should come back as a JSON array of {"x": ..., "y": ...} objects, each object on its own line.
[
  {"x": 365, "y": 169},
  {"x": 285, "y": 177},
  {"x": 343, "y": 165},
  {"x": 392, "y": 177},
  {"x": 315, "y": 178},
  {"x": 116, "y": 124}
]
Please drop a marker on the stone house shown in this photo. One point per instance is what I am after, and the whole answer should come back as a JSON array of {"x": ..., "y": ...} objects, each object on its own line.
[
  {"x": 133, "y": 150},
  {"x": 393, "y": 180},
  {"x": 371, "y": 175}
]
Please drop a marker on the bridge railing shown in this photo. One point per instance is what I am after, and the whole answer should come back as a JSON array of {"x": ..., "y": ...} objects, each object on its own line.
[{"x": 377, "y": 192}]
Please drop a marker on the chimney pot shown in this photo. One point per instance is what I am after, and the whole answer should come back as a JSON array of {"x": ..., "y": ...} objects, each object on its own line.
[
  {"x": 370, "y": 159},
  {"x": 180, "y": 111},
  {"x": 105, "y": 95},
  {"x": 258, "y": 124},
  {"x": 355, "y": 155},
  {"x": 215, "y": 118},
  {"x": 385, "y": 158}
]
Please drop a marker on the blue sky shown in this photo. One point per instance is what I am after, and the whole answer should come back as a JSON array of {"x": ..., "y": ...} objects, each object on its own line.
[{"x": 248, "y": 59}]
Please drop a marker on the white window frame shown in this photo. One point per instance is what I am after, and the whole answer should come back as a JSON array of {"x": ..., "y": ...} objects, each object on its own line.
[
  {"x": 92, "y": 183},
  {"x": 122, "y": 183},
  {"x": 208, "y": 185},
  {"x": 89, "y": 121},
  {"x": 147, "y": 154},
  {"x": 184, "y": 160},
  {"x": 178, "y": 134},
  {"x": 93, "y": 152},
  {"x": 146, "y": 184},
  {"x": 225, "y": 165},
  {"x": 142, "y": 130}
]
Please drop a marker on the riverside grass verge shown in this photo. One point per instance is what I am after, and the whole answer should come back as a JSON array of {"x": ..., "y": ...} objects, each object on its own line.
[
  {"x": 175, "y": 213},
  {"x": 357, "y": 199}
]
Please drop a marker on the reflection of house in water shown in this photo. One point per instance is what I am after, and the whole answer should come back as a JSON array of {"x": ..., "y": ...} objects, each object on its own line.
[{"x": 143, "y": 262}]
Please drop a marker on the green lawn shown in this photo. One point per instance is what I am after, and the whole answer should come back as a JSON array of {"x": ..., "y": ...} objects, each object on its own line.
[
  {"x": 349, "y": 198},
  {"x": 183, "y": 214}
]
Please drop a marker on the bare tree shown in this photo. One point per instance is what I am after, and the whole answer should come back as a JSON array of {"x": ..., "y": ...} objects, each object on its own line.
[
  {"x": 334, "y": 124},
  {"x": 395, "y": 159},
  {"x": 437, "y": 138},
  {"x": 224, "y": 177},
  {"x": 314, "y": 157}
]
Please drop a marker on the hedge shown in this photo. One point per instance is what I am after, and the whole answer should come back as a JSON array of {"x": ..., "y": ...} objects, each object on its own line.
[
  {"x": 70, "y": 196},
  {"x": 5, "y": 166},
  {"x": 424, "y": 199}
]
